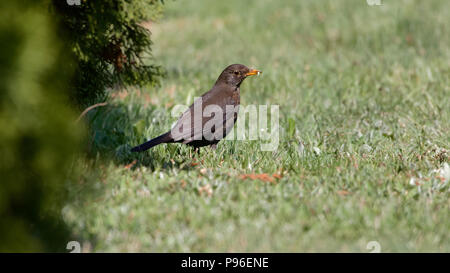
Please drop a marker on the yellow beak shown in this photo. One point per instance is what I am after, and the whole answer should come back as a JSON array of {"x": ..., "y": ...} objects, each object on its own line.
[{"x": 253, "y": 72}]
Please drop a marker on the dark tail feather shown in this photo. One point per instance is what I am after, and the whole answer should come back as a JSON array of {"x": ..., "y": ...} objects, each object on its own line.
[{"x": 164, "y": 138}]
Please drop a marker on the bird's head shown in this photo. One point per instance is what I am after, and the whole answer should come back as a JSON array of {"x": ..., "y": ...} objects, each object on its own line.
[{"x": 234, "y": 74}]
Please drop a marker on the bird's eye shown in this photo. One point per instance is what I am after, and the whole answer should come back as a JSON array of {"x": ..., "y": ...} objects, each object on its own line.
[{"x": 236, "y": 72}]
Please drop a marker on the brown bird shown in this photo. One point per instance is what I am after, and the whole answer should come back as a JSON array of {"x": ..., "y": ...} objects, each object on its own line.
[{"x": 211, "y": 117}]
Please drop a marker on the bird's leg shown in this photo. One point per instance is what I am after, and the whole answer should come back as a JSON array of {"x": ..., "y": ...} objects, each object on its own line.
[
  {"x": 196, "y": 152},
  {"x": 213, "y": 146}
]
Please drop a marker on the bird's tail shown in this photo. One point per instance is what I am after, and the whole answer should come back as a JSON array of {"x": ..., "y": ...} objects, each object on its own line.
[{"x": 164, "y": 138}]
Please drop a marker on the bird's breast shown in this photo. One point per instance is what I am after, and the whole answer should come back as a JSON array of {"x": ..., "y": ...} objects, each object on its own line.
[{"x": 235, "y": 97}]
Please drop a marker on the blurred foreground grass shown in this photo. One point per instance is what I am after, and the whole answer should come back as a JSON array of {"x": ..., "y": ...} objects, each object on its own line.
[{"x": 364, "y": 117}]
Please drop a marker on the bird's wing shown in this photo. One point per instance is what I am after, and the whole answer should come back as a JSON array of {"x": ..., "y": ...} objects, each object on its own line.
[{"x": 210, "y": 127}]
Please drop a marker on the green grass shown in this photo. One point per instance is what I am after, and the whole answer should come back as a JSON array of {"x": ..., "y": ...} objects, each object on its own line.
[{"x": 366, "y": 85}]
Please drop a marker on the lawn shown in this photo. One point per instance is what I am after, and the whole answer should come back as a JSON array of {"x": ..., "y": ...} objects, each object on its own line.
[{"x": 363, "y": 94}]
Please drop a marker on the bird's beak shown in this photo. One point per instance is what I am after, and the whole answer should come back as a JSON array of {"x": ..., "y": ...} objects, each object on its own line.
[{"x": 253, "y": 72}]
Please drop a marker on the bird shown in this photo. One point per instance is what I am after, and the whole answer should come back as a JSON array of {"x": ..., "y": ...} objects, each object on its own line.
[{"x": 199, "y": 129}]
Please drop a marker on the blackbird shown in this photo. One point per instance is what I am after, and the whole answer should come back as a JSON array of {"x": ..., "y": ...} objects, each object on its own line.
[{"x": 211, "y": 117}]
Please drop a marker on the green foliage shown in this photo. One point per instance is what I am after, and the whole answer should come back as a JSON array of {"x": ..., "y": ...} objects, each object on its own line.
[
  {"x": 109, "y": 43},
  {"x": 38, "y": 135}
]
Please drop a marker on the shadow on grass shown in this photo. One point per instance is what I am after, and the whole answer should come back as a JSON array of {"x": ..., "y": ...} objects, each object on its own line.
[{"x": 115, "y": 128}]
